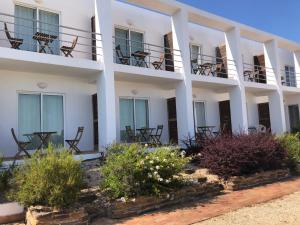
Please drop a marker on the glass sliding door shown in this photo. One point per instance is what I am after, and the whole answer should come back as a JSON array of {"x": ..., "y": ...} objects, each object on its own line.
[
  {"x": 137, "y": 43},
  {"x": 40, "y": 112},
  {"x": 195, "y": 57},
  {"x": 126, "y": 116},
  {"x": 294, "y": 118},
  {"x": 53, "y": 117},
  {"x": 122, "y": 39},
  {"x": 199, "y": 112},
  {"x": 133, "y": 113},
  {"x": 49, "y": 24},
  {"x": 25, "y": 27},
  {"x": 290, "y": 76}
]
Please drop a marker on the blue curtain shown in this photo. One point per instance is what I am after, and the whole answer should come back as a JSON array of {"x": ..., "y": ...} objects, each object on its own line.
[
  {"x": 49, "y": 24},
  {"x": 141, "y": 113},
  {"x": 53, "y": 117},
  {"x": 29, "y": 118},
  {"x": 126, "y": 116},
  {"x": 200, "y": 114},
  {"x": 25, "y": 27}
]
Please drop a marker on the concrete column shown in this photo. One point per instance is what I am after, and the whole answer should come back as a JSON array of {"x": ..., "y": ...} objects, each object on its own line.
[
  {"x": 238, "y": 107},
  {"x": 297, "y": 68},
  {"x": 184, "y": 96},
  {"x": 277, "y": 114},
  {"x": 105, "y": 79}
]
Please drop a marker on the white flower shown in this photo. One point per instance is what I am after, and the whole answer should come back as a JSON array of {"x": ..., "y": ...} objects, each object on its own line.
[
  {"x": 142, "y": 162},
  {"x": 149, "y": 175},
  {"x": 133, "y": 200},
  {"x": 182, "y": 153},
  {"x": 123, "y": 199},
  {"x": 146, "y": 145},
  {"x": 147, "y": 157},
  {"x": 157, "y": 167},
  {"x": 151, "y": 169},
  {"x": 165, "y": 160},
  {"x": 155, "y": 172},
  {"x": 173, "y": 164},
  {"x": 160, "y": 179},
  {"x": 167, "y": 181},
  {"x": 151, "y": 161},
  {"x": 172, "y": 154}
]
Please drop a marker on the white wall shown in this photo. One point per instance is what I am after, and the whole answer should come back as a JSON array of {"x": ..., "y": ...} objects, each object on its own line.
[
  {"x": 285, "y": 58},
  {"x": 158, "y": 111},
  {"x": 249, "y": 49},
  {"x": 252, "y": 110},
  {"x": 78, "y": 105}
]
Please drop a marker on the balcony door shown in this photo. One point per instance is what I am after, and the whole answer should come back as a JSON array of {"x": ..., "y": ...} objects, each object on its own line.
[
  {"x": 199, "y": 114},
  {"x": 30, "y": 20},
  {"x": 294, "y": 118},
  {"x": 40, "y": 112},
  {"x": 290, "y": 77},
  {"x": 225, "y": 116},
  {"x": 130, "y": 41},
  {"x": 264, "y": 115}
]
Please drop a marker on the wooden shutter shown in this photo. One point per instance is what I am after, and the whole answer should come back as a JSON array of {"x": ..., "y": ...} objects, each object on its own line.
[
  {"x": 259, "y": 60},
  {"x": 222, "y": 59},
  {"x": 95, "y": 120},
  {"x": 172, "y": 120},
  {"x": 264, "y": 115},
  {"x": 94, "y": 49},
  {"x": 225, "y": 116},
  {"x": 168, "y": 44}
]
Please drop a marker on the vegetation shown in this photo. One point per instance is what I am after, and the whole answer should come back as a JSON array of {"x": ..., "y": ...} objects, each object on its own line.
[
  {"x": 242, "y": 154},
  {"x": 54, "y": 179},
  {"x": 132, "y": 171},
  {"x": 291, "y": 143}
]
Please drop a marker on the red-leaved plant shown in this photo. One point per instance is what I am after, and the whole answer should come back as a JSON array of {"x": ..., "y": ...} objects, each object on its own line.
[{"x": 242, "y": 154}]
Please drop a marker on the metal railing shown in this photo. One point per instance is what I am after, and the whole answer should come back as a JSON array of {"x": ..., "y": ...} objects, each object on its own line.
[
  {"x": 257, "y": 74},
  {"x": 207, "y": 65},
  {"x": 38, "y": 36},
  {"x": 141, "y": 54},
  {"x": 290, "y": 78}
]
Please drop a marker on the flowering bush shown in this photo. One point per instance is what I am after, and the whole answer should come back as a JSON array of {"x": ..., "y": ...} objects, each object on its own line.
[
  {"x": 241, "y": 154},
  {"x": 134, "y": 171}
]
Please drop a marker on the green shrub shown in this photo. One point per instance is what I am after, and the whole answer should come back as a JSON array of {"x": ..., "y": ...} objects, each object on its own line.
[
  {"x": 133, "y": 171},
  {"x": 53, "y": 179},
  {"x": 291, "y": 143}
]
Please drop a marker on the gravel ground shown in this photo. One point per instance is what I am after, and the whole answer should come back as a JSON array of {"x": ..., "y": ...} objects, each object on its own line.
[{"x": 278, "y": 212}]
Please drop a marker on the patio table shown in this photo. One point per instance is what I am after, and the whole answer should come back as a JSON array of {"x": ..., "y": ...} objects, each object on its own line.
[
  {"x": 145, "y": 132},
  {"x": 44, "y": 40},
  {"x": 207, "y": 131},
  {"x": 44, "y": 137},
  {"x": 140, "y": 56}
]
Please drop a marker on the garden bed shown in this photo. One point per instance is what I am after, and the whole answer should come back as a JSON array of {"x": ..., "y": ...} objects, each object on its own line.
[
  {"x": 40, "y": 215},
  {"x": 121, "y": 209},
  {"x": 243, "y": 182}
]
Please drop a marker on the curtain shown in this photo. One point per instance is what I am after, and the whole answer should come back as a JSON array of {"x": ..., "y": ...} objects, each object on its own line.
[
  {"x": 200, "y": 114},
  {"x": 49, "y": 24},
  {"x": 122, "y": 39},
  {"x": 25, "y": 27},
  {"x": 29, "y": 118},
  {"x": 53, "y": 117},
  {"x": 141, "y": 113},
  {"x": 126, "y": 116},
  {"x": 137, "y": 43}
]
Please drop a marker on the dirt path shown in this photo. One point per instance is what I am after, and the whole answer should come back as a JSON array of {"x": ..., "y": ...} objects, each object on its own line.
[{"x": 278, "y": 212}]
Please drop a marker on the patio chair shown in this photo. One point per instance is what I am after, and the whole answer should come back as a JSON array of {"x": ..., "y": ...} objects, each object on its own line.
[
  {"x": 73, "y": 143},
  {"x": 67, "y": 50},
  {"x": 14, "y": 42},
  {"x": 130, "y": 136},
  {"x": 155, "y": 138},
  {"x": 123, "y": 59},
  {"x": 22, "y": 145},
  {"x": 194, "y": 66},
  {"x": 157, "y": 64}
]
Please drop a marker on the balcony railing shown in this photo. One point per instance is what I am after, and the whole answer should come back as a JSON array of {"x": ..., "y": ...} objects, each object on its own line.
[
  {"x": 141, "y": 54},
  {"x": 207, "y": 65},
  {"x": 37, "y": 36},
  {"x": 256, "y": 73},
  {"x": 290, "y": 78}
]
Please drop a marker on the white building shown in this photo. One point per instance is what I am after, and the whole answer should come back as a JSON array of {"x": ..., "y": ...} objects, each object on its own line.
[{"x": 213, "y": 71}]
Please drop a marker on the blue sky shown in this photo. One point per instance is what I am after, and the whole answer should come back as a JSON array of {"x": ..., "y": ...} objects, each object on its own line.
[{"x": 281, "y": 17}]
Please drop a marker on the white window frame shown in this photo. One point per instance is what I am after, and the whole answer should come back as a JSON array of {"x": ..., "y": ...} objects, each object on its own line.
[
  {"x": 194, "y": 110},
  {"x": 200, "y": 51},
  {"x": 134, "y": 117},
  {"x": 41, "y": 109},
  {"x": 289, "y": 70},
  {"x": 38, "y": 8}
]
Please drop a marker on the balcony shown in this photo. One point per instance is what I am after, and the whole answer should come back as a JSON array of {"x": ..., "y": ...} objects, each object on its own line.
[
  {"x": 289, "y": 78},
  {"x": 145, "y": 55},
  {"x": 258, "y": 74},
  {"x": 47, "y": 38}
]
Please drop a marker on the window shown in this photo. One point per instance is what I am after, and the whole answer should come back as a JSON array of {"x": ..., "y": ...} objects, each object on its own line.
[
  {"x": 29, "y": 21},
  {"x": 199, "y": 114},
  {"x": 290, "y": 78},
  {"x": 130, "y": 41},
  {"x": 195, "y": 51},
  {"x": 134, "y": 112},
  {"x": 294, "y": 118},
  {"x": 41, "y": 112}
]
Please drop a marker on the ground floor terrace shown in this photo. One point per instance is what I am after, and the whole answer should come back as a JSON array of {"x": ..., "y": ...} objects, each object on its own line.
[{"x": 33, "y": 102}]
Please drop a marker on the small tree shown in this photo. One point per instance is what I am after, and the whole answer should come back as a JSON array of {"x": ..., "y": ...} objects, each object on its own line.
[{"x": 54, "y": 179}]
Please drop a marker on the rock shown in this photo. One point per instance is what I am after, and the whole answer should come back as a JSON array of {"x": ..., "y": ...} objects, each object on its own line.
[{"x": 11, "y": 212}]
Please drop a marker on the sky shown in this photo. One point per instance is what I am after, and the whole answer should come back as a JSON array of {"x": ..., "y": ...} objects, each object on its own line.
[{"x": 280, "y": 17}]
